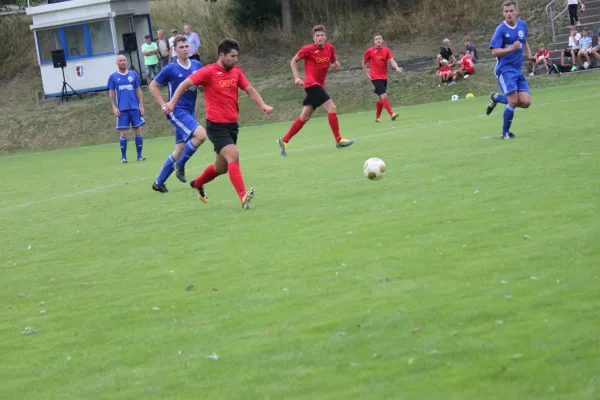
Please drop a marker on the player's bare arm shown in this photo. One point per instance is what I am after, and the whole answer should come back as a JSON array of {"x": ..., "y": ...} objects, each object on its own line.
[
  {"x": 294, "y": 65},
  {"x": 113, "y": 102},
  {"x": 140, "y": 97},
  {"x": 528, "y": 51},
  {"x": 181, "y": 89},
  {"x": 365, "y": 70},
  {"x": 256, "y": 97},
  {"x": 395, "y": 65},
  {"x": 154, "y": 89}
]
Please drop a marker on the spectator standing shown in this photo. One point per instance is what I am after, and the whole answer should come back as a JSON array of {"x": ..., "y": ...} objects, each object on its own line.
[
  {"x": 194, "y": 41},
  {"x": 150, "y": 51},
  {"x": 173, "y": 53},
  {"x": 572, "y": 5},
  {"x": 164, "y": 49}
]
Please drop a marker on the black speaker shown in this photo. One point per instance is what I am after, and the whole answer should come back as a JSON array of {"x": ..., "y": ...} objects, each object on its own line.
[
  {"x": 58, "y": 58},
  {"x": 130, "y": 42}
]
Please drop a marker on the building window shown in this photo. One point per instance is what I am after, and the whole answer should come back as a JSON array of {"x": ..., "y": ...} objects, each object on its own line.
[
  {"x": 101, "y": 37},
  {"x": 48, "y": 40},
  {"x": 75, "y": 41},
  {"x": 79, "y": 41}
]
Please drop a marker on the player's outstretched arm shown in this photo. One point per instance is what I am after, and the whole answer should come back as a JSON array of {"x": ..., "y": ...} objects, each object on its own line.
[
  {"x": 181, "y": 89},
  {"x": 113, "y": 102},
  {"x": 294, "y": 65},
  {"x": 256, "y": 97},
  {"x": 154, "y": 89}
]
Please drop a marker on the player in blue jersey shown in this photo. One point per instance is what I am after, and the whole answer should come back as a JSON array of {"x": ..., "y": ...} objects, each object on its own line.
[
  {"x": 189, "y": 134},
  {"x": 125, "y": 93},
  {"x": 508, "y": 43}
]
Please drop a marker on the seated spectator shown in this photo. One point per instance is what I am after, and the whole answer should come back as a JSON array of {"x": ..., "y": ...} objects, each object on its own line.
[
  {"x": 542, "y": 58},
  {"x": 572, "y": 49},
  {"x": 585, "y": 49},
  {"x": 446, "y": 54},
  {"x": 444, "y": 73},
  {"x": 596, "y": 49},
  {"x": 467, "y": 67},
  {"x": 471, "y": 50}
]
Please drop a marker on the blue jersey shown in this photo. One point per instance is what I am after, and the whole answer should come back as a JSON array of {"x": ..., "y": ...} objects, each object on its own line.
[
  {"x": 125, "y": 86},
  {"x": 172, "y": 75},
  {"x": 504, "y": 37}
]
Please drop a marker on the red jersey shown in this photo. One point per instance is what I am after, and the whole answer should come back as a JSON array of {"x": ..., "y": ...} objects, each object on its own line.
[
  {"x": 467, "y": 63},
  {"x": 378, "y": 57},
  {"x": 444, "y": 70},
  {"x": 316, "y": 63},
  {"x": 220, "y": 91},
  {"x": 545, "y": 54}
]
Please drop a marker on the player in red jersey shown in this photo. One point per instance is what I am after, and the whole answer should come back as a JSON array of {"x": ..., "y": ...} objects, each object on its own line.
[
  {"x": 467, "y": 67},
  {"x": 317, "y": 59},
  {"x": 377, "y": 57},
  {"x": 221, "y": 81}
]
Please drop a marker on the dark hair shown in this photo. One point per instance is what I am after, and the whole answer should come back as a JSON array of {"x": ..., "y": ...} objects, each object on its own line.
[
  {"x": 509, "y": 3},
  {"x": 227, "y": 45},
  {"x": 318, "y": 28},
  {"x": 178, "y": 39}
]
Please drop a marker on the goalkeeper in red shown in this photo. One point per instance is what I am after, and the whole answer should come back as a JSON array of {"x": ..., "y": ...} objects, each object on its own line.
[
  {"x": 317, "y": 59},
  {"x": 377, "y": 57},
  {"x": 221, "y": 82}
]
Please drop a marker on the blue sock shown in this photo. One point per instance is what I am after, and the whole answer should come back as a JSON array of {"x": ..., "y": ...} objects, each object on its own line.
[
  {"x": 139, "y": 143},
  {"x": 123, "y": 143},
  {"x": 166, "y": 171},
  {"x": 500, "y": 98},
  {"x": 188, "y": 151},
  {"x": 509, "y": 113}
]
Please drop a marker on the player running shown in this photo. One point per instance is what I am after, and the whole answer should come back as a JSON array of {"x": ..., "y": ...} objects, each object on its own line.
[
  {"x": 507, "y": 46},
  {"x": 127, "y": 100},
  {"x": 317, "y": 59},
  {"x": 221, "y": 82},
  {"x": 189, "y": 134},
  {"x": 377, "y": 57}
]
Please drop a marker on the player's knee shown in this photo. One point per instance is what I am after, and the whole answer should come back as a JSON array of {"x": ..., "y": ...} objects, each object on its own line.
[
  {"x": 304, "y": 118},
  {"x": 524, "y": 103},
  {"x": 332, "y": 109}
]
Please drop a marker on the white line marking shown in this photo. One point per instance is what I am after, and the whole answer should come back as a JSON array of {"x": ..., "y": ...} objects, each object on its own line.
[{"x": 265, "y": 155}]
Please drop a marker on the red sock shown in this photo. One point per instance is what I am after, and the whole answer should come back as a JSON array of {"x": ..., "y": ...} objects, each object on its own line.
[
  {"x": 295, "y": 128},
  {"x": 235, "y": 176},
  {"x": 208, "y": 175},
  {"x": 379, "y": 107},
  {"x": 335, "y": 126},
  {"x": 387, "y": 106}
]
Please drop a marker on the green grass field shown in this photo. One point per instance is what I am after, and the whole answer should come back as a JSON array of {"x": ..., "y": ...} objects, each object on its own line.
[{"x": 469, "y": 272}]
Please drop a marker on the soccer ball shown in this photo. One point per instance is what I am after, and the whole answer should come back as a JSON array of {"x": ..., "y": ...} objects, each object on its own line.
[
  {"x": 374, "y": 169},
  {"x": 470, "y": 96},
  {"x": 454, "y": 97}
]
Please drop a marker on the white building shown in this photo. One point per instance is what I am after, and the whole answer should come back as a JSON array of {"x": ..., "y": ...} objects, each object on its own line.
[{"x": 90, "y": 32}]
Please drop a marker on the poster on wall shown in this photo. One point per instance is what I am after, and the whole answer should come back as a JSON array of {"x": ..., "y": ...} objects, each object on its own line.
[{"x": 79, "y": 70}]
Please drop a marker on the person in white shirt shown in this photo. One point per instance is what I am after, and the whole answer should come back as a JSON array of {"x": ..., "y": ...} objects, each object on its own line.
[
  {"x": 573, "y": 48},
  {"x": 173, "y": 53}
]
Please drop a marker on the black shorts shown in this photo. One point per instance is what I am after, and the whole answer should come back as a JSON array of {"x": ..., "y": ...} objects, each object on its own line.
[
  {"x": 380, "y": 86},
  {"x": 221, "y": 134},
  {"x": 315, "y": 96},
  {"x": 567, "y": 52}
]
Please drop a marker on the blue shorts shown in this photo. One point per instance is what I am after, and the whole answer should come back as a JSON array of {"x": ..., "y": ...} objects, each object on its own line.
[
  {"x": 510, "y": 82},
  {"x": 130, "y": 117},
  {"x": 185, "y": 124}
]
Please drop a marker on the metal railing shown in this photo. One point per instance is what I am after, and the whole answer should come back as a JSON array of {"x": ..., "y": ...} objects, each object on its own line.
[{"x": 553, "y": 15}]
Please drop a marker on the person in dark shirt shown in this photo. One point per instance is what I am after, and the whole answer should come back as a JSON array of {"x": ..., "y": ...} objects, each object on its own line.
[
  {"x": 446, "y": 54},
  {"x": 471, "y": 50}
]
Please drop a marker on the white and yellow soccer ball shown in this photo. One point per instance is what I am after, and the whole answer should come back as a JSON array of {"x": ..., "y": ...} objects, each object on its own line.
[
  {"x": 454, "y": 97},
  {"x": 374, "y": 168}
]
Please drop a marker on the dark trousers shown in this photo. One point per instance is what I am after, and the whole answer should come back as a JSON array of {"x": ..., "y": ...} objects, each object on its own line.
[{"x": 573, "y": 13}]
